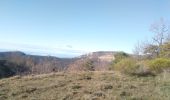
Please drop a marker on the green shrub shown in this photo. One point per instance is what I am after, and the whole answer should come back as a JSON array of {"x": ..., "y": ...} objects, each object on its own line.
[
  {"x": 159, "y": 64},
  {"x": 119, "y": 56},
  {"x": 127, "y": 65},
  {"x": 165, "y": 50},
  {"x": 132, "y": 67},
  {"x": 142, "y": 69}
]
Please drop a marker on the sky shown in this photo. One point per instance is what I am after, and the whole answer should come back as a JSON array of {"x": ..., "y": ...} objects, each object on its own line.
[{"x": 69, "y": 28}]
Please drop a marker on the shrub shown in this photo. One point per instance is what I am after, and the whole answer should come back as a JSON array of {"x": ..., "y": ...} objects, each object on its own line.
[
  {"x": 76, "y": 87},
  {"x": 159, "y": 64},
  {"x": 127, "y": 65},
  {"x": 86, "y": 76},
  {"x": 118, "y": 57},
  {"x": 142, "y": 69},
  {"x": 132, "y": 67},
  {"x": 88, "y": 65},
  {"x": 165, "y": 50},
  {"x": 5, "y": 70},
  {"x": 106, "y": 87}
]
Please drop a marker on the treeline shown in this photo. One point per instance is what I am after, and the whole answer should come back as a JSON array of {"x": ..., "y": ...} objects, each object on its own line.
[
  {"x": 8, "y": 69},
  {"x": 18, "y": 63},
  {"x": 150, "y": 57}
]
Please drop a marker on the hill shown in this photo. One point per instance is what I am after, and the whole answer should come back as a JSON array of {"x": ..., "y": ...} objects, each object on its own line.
[
  {"x": 98, "y": 61},
  {"x": 23, "y": 64},
  {"x": 19, "y": 63},
  {"x": 102, "y": 55},
  {"x": 85, "y": 86}
]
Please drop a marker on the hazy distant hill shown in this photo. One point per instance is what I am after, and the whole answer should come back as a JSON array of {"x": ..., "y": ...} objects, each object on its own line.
[
  {"x": 17, "y": 61},
  {"x": 21, "y": 63}
]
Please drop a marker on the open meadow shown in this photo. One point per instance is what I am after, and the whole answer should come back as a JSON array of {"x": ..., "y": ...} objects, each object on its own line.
[{"x": 86, "y": 86}]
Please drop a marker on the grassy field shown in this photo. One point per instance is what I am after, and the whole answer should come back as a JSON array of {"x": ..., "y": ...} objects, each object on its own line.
[{"x": 86, "y": 86}]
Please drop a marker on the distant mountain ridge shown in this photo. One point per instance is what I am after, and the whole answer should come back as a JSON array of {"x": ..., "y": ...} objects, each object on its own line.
[{"x": 23, "y": 64}]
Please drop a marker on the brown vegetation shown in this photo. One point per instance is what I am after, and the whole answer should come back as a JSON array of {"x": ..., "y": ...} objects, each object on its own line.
[{"x": 86, "y": 86}]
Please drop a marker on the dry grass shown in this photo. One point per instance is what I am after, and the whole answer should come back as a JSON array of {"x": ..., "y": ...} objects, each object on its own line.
[{"x": 86, "y": 86}]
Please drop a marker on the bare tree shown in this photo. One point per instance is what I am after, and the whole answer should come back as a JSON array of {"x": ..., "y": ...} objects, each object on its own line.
[
  {"x": 137, "y": 49},
  {"x": 161, "y": 32},
  {"x": 140, "y": 49}
]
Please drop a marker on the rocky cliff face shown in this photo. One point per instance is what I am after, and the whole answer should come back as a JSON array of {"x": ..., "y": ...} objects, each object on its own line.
[{"x": 101, "y": 61}]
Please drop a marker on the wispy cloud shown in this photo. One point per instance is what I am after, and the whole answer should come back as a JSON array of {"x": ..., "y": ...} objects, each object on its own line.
[
  {"x": 67, "y": 50},
  {"x": 69, "y": 46}
]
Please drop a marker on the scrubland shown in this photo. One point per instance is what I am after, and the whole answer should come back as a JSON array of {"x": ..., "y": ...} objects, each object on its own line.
[{"x": 96, "y": 85}]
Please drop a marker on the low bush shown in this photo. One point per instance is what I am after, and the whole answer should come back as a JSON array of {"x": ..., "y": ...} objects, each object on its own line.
[
  {"x": 106, "y": 87},
  {"x": 76, "y": 87},
  {"x": 132, "y": 67},
  {"x": 142, "y": 69},
  {"x": 88, "y": 65},
  {"x": 159, "y": 64},
  {"x": 119, "y": 56},
  {"x": 127, "y": 65}
]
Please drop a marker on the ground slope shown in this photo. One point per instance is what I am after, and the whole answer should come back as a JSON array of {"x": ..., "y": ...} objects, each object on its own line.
[{"x": 85, "y": 86}]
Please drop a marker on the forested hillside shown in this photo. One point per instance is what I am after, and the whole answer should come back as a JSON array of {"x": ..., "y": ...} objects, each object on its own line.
[{"x": 19, "y": 63}]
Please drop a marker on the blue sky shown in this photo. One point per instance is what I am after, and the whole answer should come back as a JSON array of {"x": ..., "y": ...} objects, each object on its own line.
[{"x": 74, "y": 27}]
